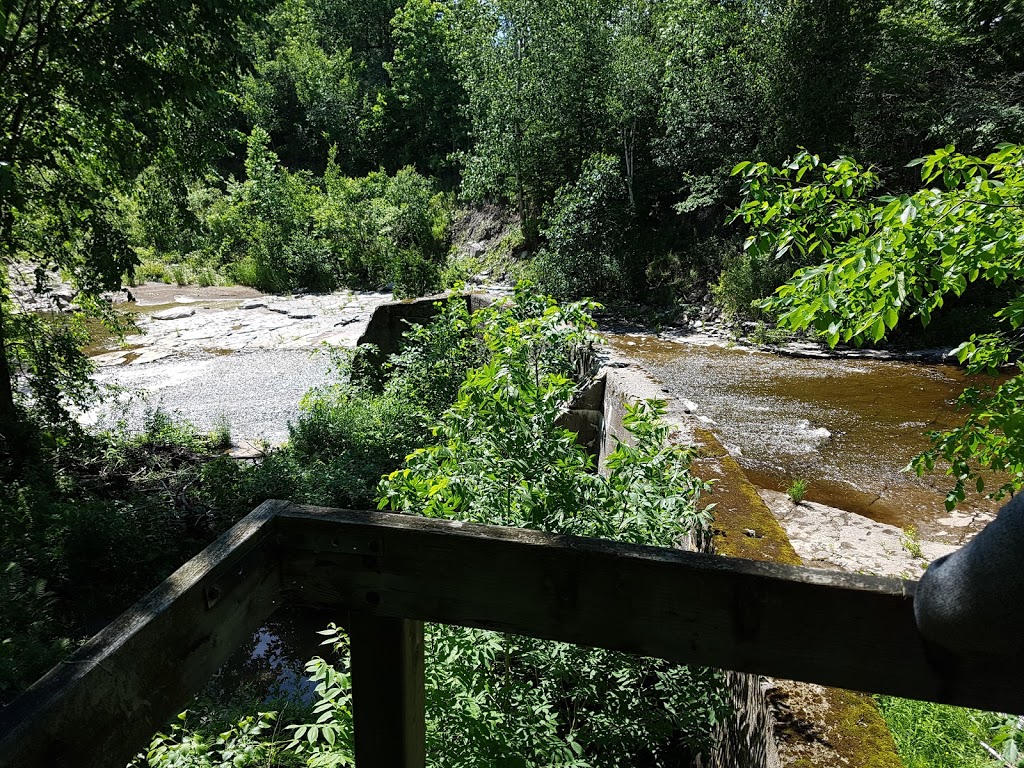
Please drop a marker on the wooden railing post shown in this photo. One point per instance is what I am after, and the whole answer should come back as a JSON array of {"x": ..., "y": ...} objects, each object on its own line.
[{"x": 387, "y": 691}]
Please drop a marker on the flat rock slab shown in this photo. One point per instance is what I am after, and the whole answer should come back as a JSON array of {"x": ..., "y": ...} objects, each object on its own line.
[
  {"x": 151, "y": 356},
  {"x": 246, "y": 449},
  {"x": 174, "y": 314},
  {"x": 253, "y": 304},
  {"x": 109, "y": 358},
  {"x": 827, "y": 537}
]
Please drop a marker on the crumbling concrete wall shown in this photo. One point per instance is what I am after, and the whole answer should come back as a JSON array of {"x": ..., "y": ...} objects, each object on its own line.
[
  {"x": 389, "y": 321},
  {"x": 774, "y": 723}
]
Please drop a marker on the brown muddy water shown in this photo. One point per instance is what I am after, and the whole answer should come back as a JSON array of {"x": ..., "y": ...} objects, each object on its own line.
[{"x": 846, "y": 426}]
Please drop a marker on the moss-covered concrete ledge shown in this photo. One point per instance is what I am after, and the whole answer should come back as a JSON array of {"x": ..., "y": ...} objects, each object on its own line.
[{"x": 775, "y": 723}]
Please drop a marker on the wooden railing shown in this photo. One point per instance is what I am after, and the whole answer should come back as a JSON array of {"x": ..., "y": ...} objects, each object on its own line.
[{"x": 383, "y": 575}]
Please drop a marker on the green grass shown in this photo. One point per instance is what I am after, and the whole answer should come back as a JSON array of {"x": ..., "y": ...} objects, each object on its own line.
[
  {"x": 939, "y": 736},
  {"x": 797, "y": 490}
]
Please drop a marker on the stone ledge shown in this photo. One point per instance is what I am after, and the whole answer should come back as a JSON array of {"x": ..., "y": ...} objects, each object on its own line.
[{"x": 809, "y": 725}]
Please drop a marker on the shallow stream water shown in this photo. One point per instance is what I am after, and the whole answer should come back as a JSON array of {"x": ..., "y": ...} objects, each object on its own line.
[{"x": 846, "y": 426}]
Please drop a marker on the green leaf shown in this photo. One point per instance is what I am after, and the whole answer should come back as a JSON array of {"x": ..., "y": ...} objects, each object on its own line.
[{"x": 891, "y": 317}]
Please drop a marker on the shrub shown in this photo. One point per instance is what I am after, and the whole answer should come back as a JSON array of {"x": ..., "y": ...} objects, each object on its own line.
[
  {"x": 111, "y": 508},
  {"x": 499, "y": 458},
  {"x": 586, "y": 233},
  {"x": 747, "y": 278},
  {"x": 496, "y": 456},
  {"x": 413, "y": 275},
  {"x": 281, "y": 231}
]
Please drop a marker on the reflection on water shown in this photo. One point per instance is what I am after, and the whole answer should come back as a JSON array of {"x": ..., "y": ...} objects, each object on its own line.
[
  {"x": 270, "y": 668},
  {"x": 848, "y": 427}
]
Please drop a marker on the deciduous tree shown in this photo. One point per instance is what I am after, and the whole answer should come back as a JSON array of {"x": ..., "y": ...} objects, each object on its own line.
[
  {"x": 874, "y": 259},
  {"x": 86, "y": 91}
]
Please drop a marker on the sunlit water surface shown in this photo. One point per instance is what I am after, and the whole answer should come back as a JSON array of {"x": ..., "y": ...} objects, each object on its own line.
[{"x": 847, "y": 426}]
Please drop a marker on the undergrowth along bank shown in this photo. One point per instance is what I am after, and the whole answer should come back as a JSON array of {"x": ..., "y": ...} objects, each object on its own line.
[{"x": 496, "y": 382}]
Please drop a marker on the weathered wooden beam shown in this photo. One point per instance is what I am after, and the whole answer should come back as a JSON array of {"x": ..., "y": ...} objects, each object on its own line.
[
  {"x": 836, "y": 629},
  {"x": 387, "y": 691},
  {"x": 102, "y": 705},
  {"x": 389, "y": 572}
]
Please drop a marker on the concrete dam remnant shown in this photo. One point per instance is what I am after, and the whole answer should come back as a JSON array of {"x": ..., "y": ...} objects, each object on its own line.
[{"x": 775, "y": 722}]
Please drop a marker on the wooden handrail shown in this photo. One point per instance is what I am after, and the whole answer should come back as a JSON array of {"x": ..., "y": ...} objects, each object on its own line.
[{"x": 384, "y": 574}]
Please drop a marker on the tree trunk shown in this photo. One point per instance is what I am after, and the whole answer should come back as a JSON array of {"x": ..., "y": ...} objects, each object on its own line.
[
  {"x": 10, "y": 421},
  {"x": 628, "y": 146}
]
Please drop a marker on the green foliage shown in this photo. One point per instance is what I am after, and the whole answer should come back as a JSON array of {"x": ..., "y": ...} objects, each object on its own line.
[
  {"x": 346, "y": 439},
  {"x": 317, "y": 76},
  {"x": 939, "y": 736},
  {"x": 281, "y": 231},
  {"x": 536, "y": 77},
  {"x": 587, "y": 233},
  {"x": 887, "y": 257},
  {"x": 88, "y": 94},
  {"x": 709, "y": 49},
  {"x": 748, "y": 276},
  {"x": 30, "y": 637},
  {"x": 53, "y": 372},
  {"x": 422, "y": 107},
  {"x": 328, "y": 742},
  {"x": 952, "y": 81},
  {"x": 797, "y": 490},
  {"x": 122, "y": 508},
  {"x": 500, "y": 458},
  {"x": 243, "y": 744},
  {"x": 990, "y": 437},
  {"x": 434, "y": 359},
  {"x": 348, "y": 433}
]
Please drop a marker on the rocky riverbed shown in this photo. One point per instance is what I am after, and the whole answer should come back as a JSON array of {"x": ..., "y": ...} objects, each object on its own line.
[
  {"x": 848, "y": 427},
  {"x": 826, "y": 537},
  {"x": 227, "y": 354}
]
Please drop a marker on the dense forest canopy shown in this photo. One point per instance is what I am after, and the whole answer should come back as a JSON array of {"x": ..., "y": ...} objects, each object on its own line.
[{"x": 318, "y": 143}]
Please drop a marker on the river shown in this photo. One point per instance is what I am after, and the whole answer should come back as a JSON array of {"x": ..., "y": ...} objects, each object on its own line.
[{"x": 846, "y": 426}]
